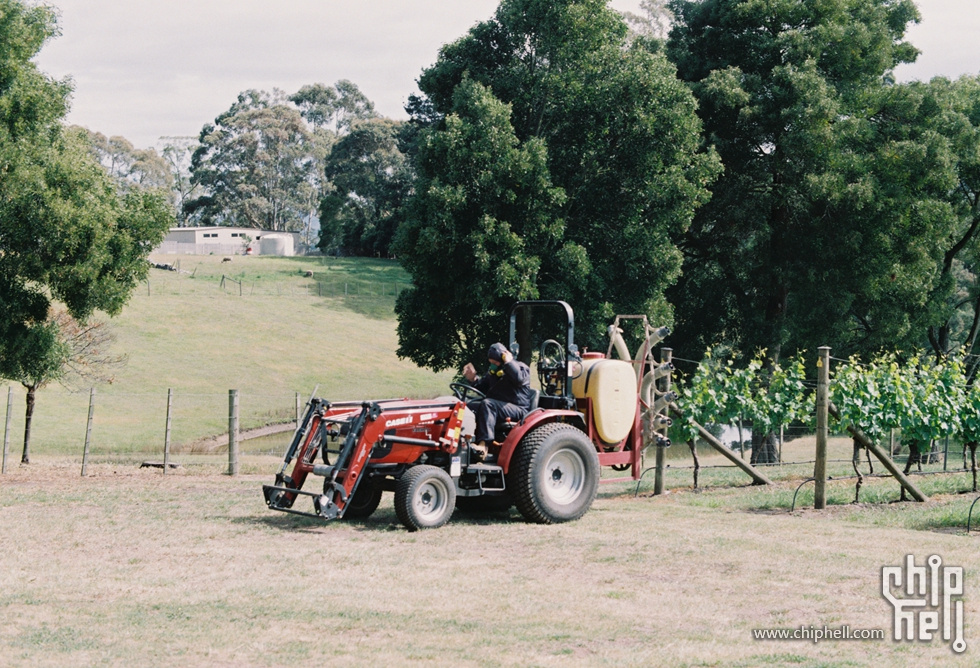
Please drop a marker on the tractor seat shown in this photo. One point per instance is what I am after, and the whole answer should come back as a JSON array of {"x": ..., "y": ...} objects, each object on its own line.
[
  {"x": 503, "y": 428},
  {"x": 535, "y": 398}
]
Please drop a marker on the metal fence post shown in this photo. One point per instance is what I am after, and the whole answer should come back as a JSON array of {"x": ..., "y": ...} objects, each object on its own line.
[
  {"x": 232, "y": 432},
  {"x": 823, "y": 401},
  {"x": 6, "y": 428},
  {"x": 88, "y": 429},
  {"x": 166, "y": 435}
]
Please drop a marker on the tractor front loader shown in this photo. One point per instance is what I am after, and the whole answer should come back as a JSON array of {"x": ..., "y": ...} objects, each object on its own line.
[
  {"x": 361, "y": 449},
  {"x": 587, "y": 413}
]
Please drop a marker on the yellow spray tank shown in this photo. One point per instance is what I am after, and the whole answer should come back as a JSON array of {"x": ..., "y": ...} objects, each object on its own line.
[
  {"x": 654, "y": 402},
  {"x": 611, "y": 385}
]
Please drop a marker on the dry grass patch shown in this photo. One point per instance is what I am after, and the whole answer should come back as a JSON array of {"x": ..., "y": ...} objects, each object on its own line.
[{"x": 131, "y": 567}]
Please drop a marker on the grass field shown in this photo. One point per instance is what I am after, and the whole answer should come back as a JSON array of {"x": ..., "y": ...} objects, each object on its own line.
[
  {"x": 192, "y": 331},
  {"x": 131, "y": 567},
  {"x": 127, "y": 566}
]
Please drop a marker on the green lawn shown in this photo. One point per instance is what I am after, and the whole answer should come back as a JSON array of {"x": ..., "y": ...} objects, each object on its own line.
[{"x": 260, "y": 325}]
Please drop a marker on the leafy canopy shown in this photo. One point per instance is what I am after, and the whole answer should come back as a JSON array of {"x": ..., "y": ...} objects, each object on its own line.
[
  {"x": 825, "y": 227},
  {"x": 556, "y": 160},
  {"x": 65, "y": 234}
]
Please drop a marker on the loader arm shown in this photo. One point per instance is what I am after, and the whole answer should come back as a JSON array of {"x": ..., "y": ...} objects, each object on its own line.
[{"x": 379, "y": 437}]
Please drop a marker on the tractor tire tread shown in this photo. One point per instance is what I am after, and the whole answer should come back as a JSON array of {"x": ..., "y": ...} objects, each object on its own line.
[{"x": 523, "y": 478}]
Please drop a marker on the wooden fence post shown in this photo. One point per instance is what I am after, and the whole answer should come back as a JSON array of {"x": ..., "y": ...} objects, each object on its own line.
[
  {"x": 823, "y": 401},
  {"x": 88, "y": 429},
  {"x": 661, "y": 452},
  {"x": 166, "y": 435},
  {"x": 6, "y": 428},
  {"x": 232, "y": 432}
]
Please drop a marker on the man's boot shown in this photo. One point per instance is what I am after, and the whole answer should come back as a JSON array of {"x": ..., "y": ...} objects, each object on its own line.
[{"x": 478, "y": 452}]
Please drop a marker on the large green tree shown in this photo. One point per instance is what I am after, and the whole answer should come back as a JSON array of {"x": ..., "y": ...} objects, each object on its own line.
[
  {"x": 483, "y": 217},
  {"x": 65, "y": 234},
  {"x": 612, "y": 140},
  {"x": 369, "y": 179},
  {"x": 950, "y": 110},
  {"x": 254, "y": 165},
  {"x": 828, "y": 224}
]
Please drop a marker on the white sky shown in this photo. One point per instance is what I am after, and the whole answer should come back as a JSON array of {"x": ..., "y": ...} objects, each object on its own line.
[{"x": 150, "y": 68}]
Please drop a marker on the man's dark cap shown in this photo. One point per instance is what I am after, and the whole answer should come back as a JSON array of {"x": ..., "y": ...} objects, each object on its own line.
[{"x": 496, "y": 351}]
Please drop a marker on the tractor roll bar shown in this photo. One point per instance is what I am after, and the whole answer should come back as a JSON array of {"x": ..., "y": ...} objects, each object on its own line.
[{"x": 571, "y": 350}]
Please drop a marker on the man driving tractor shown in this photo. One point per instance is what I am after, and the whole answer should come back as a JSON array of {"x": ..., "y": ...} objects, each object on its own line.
[{"x": 507, "y": 386}]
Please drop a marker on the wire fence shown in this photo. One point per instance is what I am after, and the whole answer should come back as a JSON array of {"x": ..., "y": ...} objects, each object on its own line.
[
  {"x": 109, "y": 427},
  {"x": 239, "y": 285},
  {"x": 104, "y": 426}
]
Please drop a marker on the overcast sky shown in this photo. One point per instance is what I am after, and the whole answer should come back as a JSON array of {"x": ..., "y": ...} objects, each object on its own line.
[{"x": 150, "y": 68}]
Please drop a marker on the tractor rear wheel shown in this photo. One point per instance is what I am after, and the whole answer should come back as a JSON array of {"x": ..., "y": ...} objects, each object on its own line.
[
  {"x": 425, "y": 497},
  {"x": 555, "y": 474}
]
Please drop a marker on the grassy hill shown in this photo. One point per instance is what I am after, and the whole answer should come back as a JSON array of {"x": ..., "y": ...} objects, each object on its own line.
[{"x": 268, "y": 327}]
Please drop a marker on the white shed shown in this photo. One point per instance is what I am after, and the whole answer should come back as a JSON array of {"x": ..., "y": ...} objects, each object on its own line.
[{"x": 276, "y": 244}]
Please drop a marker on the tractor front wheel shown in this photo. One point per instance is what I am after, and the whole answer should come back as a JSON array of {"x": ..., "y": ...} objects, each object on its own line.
[
  {"x": 425, "y": 497},
  {"x": 555, "y": 475},
  {"x": 364, "y": 502}
]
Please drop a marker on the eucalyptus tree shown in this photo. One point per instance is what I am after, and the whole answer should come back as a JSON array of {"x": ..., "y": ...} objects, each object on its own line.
[
  {"x": 335, "y": 108},
  {"x": 177, "y": 153},
  {"x": 612, "y": 140},
  {"x": 331, "y": 112},
  {"x": 653, "y": 22},
  {"x": 130, "y": 166},
  {"x": 254, "y": 165},
  {"x": 369, "y": 179}
]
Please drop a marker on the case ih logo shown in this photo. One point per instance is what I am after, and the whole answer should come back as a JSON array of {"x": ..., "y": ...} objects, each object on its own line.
[{"x": 933, "y": 608}]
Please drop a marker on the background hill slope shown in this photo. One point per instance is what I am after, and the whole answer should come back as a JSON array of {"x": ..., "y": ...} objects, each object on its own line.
[{"x": 268, "y": 327}]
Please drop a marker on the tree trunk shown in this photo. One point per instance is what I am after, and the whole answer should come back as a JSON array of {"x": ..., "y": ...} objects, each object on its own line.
[
  {"x": 973, "y": 461},
  {"x": 764, "y": 450},
  {"x": 855, "y": 460},
  {"x": 693, "y": 445},
  {"x": 28, "y": 416},
  {"x": 741, "y": 439},
  {"x": 914, "y": 458}
]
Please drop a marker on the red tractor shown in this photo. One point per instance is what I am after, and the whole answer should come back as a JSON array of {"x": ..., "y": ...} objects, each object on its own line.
[{"x": 588, "y": 412}]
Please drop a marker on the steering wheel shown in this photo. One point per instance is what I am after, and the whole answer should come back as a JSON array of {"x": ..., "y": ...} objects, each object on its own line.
[{"x": 466, "y": 393}]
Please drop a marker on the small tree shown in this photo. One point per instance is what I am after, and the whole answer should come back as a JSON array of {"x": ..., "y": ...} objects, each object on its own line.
[
  {"x": 67, "y": 235},
  {"x": 73, "y": 352}
]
